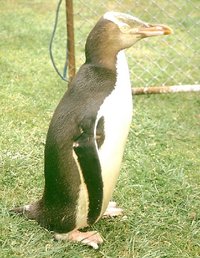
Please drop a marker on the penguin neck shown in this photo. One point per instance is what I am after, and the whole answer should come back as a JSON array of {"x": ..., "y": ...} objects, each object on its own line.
[
  {"x": 123, "y": 83},
  {"x": 103, "y": 58},
  {"x": 121, "y": 64}
]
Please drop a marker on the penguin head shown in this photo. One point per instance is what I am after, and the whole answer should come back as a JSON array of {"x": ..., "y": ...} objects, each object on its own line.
[
  {"x": 132, "y": 29},
  {"x": 116, "y": 31}
]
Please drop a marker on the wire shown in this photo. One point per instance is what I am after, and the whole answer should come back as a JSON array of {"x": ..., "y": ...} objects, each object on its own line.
[{"x": 63, "y": 77}]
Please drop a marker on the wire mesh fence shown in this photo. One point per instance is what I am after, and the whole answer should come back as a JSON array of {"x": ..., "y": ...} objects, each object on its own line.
[{"x": 172, "y": 60}]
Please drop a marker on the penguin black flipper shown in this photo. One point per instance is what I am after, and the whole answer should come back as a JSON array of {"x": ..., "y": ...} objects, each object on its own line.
[{"x": 85, "y": 147}]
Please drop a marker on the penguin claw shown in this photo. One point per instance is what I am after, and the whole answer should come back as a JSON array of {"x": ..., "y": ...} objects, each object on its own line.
[
  {"x": 91, "y": 238},
  {"x": 112, "y": 210}
]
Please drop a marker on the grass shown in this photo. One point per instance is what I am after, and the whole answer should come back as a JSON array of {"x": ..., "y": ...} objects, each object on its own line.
[{"x": 159, "y": 184}]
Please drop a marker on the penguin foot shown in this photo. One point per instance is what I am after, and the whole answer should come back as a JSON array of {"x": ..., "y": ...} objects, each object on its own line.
[
  {"x": 112, "y": 210},
  {"x": 91, "y": 238}
]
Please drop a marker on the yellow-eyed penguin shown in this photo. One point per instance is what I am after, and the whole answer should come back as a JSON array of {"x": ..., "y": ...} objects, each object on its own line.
[{"x": 88, "y": 132}]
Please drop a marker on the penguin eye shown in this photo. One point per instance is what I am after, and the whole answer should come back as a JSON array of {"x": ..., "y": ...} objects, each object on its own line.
[{"x": 125, "y": 28}]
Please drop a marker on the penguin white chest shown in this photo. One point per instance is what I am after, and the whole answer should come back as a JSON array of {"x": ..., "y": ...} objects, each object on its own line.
[{"x": 117, "y": 113}]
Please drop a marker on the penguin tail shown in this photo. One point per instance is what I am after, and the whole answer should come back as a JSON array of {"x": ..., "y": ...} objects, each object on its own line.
[{"x": 27, "y": 210}]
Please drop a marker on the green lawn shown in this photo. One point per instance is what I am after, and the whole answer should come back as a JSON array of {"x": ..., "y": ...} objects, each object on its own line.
[{"x": 159, "y": 185}]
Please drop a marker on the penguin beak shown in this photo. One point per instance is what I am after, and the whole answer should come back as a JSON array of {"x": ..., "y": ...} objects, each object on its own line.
[{"x": 150, "y": 30}]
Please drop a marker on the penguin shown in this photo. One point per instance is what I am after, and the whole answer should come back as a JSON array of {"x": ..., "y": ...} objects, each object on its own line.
[{"x": 88, "y": 131}]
